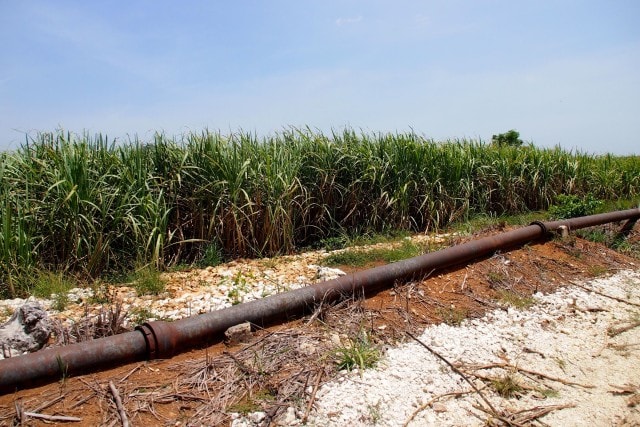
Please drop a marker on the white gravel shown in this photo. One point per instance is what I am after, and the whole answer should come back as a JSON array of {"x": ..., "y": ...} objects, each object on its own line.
[{"x": 564, "y": 335}]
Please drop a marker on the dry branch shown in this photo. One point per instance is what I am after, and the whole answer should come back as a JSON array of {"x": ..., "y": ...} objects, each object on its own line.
[
  {"x": 528, "y": 371},
  {"x": 624, "y": 301},
  {"x": 121, "y": 411},
  {"x": 60, "y": 418},
  {"x": 454, "y": 369},
  {"x": 432, "y": 401}
]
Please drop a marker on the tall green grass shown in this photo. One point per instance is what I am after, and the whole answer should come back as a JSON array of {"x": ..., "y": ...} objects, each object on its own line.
[{"x": 87, "y": 206}]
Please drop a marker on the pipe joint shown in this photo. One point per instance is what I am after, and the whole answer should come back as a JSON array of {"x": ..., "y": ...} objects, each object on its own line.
[
  {"x": 542, "y": 225},
  {"x": 161, "y": 339}
]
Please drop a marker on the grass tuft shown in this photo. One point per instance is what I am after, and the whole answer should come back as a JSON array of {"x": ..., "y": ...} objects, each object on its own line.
[
  {"x": 359, "y": 353},
  {"x": 147, "y": 281}
]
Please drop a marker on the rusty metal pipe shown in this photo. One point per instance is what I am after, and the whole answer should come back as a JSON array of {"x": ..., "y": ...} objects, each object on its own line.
[{"x": 163, "y": 339}]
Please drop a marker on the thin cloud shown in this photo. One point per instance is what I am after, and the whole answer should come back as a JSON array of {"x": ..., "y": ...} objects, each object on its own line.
[{"x": 347, "y": 21}]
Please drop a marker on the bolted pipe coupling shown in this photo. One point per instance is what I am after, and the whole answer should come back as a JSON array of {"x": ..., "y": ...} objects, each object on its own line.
[{"x": 161, "y": 339}]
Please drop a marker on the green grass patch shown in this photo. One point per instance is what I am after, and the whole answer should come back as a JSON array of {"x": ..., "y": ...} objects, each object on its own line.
[
  {"x": 361, "y": 257},
  {"x": 452, "y": 316},
  {"x": 54, "y": 286},
  {"x": 514, "y": 299},
  {"x": 147, "y": 281}
]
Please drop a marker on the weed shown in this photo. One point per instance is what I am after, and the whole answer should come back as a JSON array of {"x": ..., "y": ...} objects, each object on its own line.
[
  {"x": 239, "y": 287},
  {"x": 212, "y": 256},
  {"x": 100, "y": 294},
  {"x": 244, "y": 407},
  {"x": 251, "y": 402},
  {"x": 506, "y": 386},
  {"x": 63, "y": 368},
  {"x": 6, "y": 312},
  {"x": 597, "y": 270},
  {"x": 374, "y": 413},
  {"x": 147, "y": 281},
  {"x": 548, "y": 392},
  {"x": 562, "y": 364},
  {"x": 358, "y": 353},
  {"x": 514, "y": 299},
  {"x": 452, "y": 316},
  {"x": 140, "y": 315},
  {"x": 496, "y": 279},
  {"x": 334, "y": 242}
]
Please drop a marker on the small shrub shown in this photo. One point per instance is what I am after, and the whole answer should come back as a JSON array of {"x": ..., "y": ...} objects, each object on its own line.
[{"x": 571, "y": 206}]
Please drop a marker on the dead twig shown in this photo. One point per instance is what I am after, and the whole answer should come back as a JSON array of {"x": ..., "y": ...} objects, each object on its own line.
[
  {"x": 19, "y": 412},
  {"x": 432, "y": 401},
  {"x": 130, "y": 373},
  {"x": 498, "y": 416},
  {"x": 313, "y": 396},
  {"x": 456, "y": 370},
  {"x": 624, "y": 301},
  {"x": 61, "y": 418},
  {"x": 116, "y": 398},
  {"x": 529, "y": 371},
  {"x": 45, "y": 405},
  {"x": 612, "y": 331}
]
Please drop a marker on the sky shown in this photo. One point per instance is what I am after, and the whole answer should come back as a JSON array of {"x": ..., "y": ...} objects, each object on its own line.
[{"x": 561, "y": 72}]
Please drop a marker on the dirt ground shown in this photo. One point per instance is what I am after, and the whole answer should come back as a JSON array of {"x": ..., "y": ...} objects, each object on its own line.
[{"x": 282, "y": 367}]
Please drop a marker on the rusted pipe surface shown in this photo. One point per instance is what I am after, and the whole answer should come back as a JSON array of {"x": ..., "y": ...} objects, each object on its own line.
[
  {"x": 163, "y": 340},
  {"x": 53, "y": 364}
]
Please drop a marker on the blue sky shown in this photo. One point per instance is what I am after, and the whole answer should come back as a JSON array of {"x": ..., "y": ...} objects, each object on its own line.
[{"x": 560, "y": 71}]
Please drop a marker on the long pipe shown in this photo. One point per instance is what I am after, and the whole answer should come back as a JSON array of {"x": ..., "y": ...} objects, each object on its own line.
[{"x": 160, "y": 339}]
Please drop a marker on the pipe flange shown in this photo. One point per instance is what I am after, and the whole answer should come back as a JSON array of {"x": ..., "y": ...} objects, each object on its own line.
[
  {"x": 542, "y": 225},
  {"x": 161, "y": 338},
  {"x": 150, "y": 340}
]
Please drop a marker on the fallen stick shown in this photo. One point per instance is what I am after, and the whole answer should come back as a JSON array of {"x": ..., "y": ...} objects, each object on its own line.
[
  {"x": 612, "y": 332},
  {"x": 313, "y": 396},
  {"x": 116, "y": 398},
  {"x": 47, "y": 404},
  {"x": 456, "y": 370},
  {"x": 60, "y": 418},
  {"x": 499, "y": 417},
  {"x": 624, "y": 301},
  {"x": 130, "y": 373},
  {"x": 529, "y": 371},
  {"x": 431, "y": 401}
]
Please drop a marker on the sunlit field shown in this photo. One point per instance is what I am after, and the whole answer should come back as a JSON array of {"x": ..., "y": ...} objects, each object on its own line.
[{"x": 88, "y": 207}]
